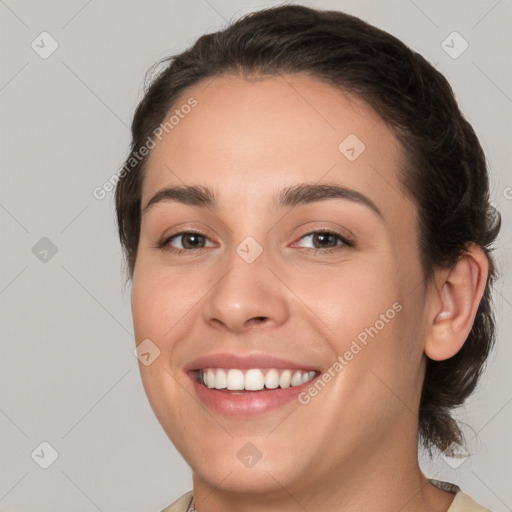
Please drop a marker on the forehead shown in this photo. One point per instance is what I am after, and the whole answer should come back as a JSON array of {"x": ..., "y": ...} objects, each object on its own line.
[{"x": 249, "y": 137}]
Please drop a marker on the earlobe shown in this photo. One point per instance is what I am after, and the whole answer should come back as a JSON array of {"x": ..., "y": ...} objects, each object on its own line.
[{"x": 458, "y": 294}]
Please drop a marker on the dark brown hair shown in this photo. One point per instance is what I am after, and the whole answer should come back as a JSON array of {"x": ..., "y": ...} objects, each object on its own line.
[{"x": 445, "y": 175}]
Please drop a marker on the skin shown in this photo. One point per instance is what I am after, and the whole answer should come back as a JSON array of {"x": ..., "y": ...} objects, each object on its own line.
[{"x": 354, "y": 445}]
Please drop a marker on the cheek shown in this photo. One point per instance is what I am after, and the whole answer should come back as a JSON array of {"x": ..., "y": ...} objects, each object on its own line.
[
  {"x": 158, "y": 305},
  {"x": 145, "y": 304},
  {"x": 374, "y": 326},
  {"x": 352, "y": 298},
  {"x": 159, "y": 301}
]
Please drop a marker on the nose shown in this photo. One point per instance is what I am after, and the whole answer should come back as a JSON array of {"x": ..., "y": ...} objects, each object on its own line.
[{"x": 248, "y": 295}]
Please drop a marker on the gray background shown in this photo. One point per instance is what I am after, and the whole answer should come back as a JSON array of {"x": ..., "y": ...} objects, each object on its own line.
[{"x": 68, "y": 374}]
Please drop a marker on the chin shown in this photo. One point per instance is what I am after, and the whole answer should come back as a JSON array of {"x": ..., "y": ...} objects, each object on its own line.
[
  {"x": 259, "y": 466},
  {"x": 259, "y": 479}
]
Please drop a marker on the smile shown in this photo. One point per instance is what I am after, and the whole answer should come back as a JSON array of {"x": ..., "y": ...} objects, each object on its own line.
[
  {"x": 253, "y": 379},
  {"x": 245, "y": 385}
]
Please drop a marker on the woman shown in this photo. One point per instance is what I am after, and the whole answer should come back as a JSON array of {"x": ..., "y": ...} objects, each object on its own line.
[{"x": 306, "y": 222}]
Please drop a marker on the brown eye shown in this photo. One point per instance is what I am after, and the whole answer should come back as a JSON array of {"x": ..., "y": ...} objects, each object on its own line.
[
  {"x": 325, "y": 239},
  {"x": 328, "y": 240},
  {"x": 192, "y": 240},
  {"x": 186, "y": 241}
]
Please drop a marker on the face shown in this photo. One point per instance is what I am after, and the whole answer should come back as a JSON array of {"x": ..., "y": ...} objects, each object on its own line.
[{"x": 289, "y": 320}]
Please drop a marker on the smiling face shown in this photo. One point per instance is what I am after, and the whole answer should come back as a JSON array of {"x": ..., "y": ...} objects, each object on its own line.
[{"x": 257, "y": 285}]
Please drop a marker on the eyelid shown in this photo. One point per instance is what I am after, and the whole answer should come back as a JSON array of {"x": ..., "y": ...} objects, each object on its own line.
[
  {"x": 339, "y": 230},
  {"x": 348, "y": 241}
]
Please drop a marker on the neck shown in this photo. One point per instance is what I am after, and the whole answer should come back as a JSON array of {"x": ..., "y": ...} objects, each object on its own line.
[{"x": 385, "y": 479}]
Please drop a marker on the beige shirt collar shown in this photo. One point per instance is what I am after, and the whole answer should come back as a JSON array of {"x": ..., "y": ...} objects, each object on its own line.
[{"x": 461, "y": 503}]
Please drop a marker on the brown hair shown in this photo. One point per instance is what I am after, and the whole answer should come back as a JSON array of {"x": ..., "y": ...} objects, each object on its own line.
[{"x": 446, "y": 173}]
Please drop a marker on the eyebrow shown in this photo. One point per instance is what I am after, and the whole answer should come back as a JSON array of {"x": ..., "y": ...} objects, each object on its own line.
[{"x": 301, "y": 193}]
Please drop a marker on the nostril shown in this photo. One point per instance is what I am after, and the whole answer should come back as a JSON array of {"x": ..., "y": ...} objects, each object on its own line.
[{"x": 257, "y": 320}]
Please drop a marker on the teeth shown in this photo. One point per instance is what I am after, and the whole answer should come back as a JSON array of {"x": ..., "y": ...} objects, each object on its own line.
[
  {"x": 297, "y": 378},
  {"x": 210, "y": 379},
  {"x": 253, "y": 379},
  {"x": 272, "y": 379},
  {"x": 221, "y": 379},
  {"x": 235, "y": 380},
  {"x": 286, "y": 379}
]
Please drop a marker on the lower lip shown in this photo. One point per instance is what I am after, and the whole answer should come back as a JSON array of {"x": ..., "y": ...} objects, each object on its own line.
[{"x": 246, "y": 403}]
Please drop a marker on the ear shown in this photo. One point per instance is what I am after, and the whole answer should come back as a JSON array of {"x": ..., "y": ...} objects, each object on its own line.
[{"x": 455, "y": 297}]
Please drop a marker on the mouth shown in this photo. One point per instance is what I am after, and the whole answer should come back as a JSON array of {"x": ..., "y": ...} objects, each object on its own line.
[
  {"x": 253, "y": 379},
  {"x": 248, "y": 385}
]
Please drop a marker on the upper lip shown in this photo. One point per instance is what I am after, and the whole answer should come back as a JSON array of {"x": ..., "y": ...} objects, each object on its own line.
[{"x": 244, "y": 362}]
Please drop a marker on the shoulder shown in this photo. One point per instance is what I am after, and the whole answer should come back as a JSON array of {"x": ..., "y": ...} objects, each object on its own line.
[
  {"x": 181, "y": 504},
  {"x": 463, "y": 503}
]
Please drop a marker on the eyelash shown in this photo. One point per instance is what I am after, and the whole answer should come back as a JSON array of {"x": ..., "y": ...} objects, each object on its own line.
[{"x": 346, "y": 242}]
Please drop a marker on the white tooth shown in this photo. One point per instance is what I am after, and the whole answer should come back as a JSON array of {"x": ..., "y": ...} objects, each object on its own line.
[
  {"x": 285, "y": 379},
  {"x": 311, "y": 375},
  {"x": 204, "y": 377},
  {"x": 297, "y": 378},
  {"x": 254, "y": 380},
  {"x": 235, "y": 380},
  {"x": 210, "y": 378},
  {"x": 220, "y": 379},
  {"x": 305, "y": 377},
  {"x": 272, "y": 379}
]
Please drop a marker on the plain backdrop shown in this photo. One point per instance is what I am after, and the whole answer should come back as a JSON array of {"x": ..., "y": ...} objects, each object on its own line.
[{"x": 68, "y": 374}]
